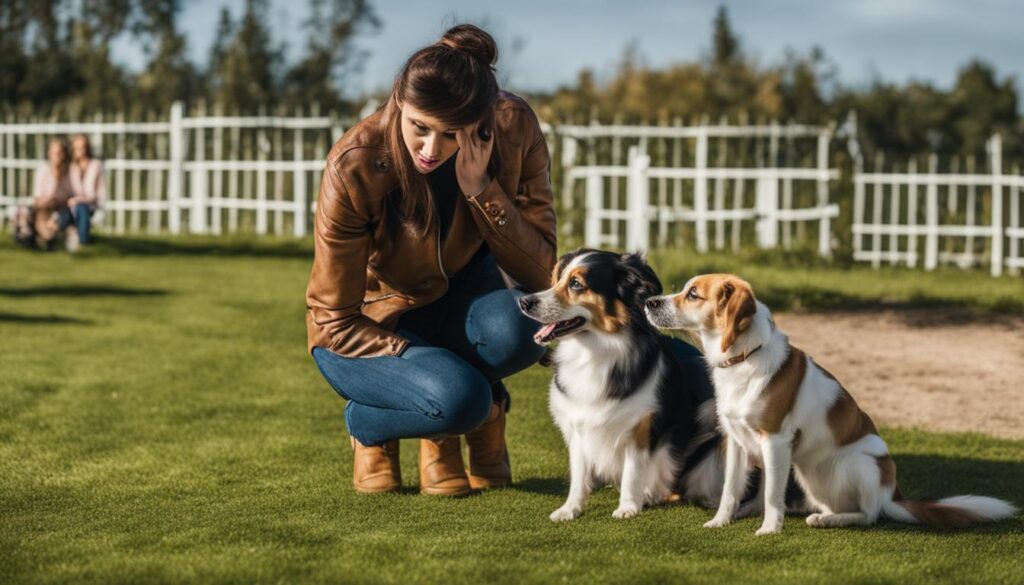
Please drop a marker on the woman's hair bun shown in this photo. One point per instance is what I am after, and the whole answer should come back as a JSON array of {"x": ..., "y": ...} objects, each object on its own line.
[{"x": 473, "y": 40}]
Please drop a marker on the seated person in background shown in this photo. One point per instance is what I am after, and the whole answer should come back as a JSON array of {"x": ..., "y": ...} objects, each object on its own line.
[
  {"x": 88, "y": 190},
  {"x": 50, "y": 195}
]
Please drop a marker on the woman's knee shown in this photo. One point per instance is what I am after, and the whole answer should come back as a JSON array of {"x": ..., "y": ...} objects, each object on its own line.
[{"x": 462, "y": 399}]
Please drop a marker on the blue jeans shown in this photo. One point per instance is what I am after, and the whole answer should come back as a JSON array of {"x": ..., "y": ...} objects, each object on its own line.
[
  {"x": 81, "y": 219},
  {"x": 461, "y": 346}
]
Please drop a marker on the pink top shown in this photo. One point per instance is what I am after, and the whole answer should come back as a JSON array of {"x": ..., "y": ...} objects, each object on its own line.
[
  {"x": 90, "y": 185},
  {"x": 47, "y": 186}
]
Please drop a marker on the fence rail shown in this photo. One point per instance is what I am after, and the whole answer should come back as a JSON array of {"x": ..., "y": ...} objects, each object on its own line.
[
  {"x": 201, "y": 174},
  {"x": 931, "y": 218},
  {"x": 677, "y": 182},
  {"x": 715, "y": 186}
]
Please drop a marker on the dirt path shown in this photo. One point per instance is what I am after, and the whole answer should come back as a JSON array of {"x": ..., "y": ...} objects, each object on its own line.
[{"x": 932, "y": 369}]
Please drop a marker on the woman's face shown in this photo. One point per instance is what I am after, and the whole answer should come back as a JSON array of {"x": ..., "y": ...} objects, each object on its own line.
[
  {"x": 430, "y": 141},
  {"x": 79, "y": 148},
  {"x": 56, "y": 153}
]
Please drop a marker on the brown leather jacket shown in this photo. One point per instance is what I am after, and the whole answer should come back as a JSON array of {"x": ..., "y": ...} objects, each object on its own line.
[{"x": 363, "y": 280}]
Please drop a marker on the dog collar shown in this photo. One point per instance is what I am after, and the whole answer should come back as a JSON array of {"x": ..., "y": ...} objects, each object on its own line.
[{"x": 738, "y": 358}]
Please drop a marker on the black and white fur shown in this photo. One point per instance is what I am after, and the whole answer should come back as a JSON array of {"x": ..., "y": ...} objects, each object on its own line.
[{"x": 627, "y": 412}]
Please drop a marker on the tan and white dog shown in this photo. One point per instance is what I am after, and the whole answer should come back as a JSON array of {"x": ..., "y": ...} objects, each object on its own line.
[{"x": 779, "y": 408}]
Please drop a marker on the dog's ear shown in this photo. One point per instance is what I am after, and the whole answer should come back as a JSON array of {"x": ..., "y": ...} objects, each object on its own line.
[
  {"x": 737, "y": 307},
  {"x": 641, "y": 281}
]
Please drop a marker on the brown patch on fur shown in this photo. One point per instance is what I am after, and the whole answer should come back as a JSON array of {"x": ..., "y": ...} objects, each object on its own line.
[
  {"x": 887, "y": 468},
  {"x": 554, "y": 273},
  {"x": 642, "y": 433},
  {"x": 735, "y": 309},
  {"x": 611, "y": 321},
  {"x": 780, "y": 393},
  {"x": 847, "y": 420},
  {"x": 940, "y": 516},
  {"x": 679, "y": 299}
]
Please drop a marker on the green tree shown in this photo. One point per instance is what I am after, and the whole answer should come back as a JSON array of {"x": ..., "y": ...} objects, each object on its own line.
[
  {"x": 980, "y": 105},
  {"x": 168, "y": 75},
  {"x": 330, "y": 56},
  {"x": 245, "y": 76}
]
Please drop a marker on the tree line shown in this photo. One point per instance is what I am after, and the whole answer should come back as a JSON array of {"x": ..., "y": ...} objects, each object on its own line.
[
  {"x": 899, "y": 119},
  {"x": 55, "y": 56}
]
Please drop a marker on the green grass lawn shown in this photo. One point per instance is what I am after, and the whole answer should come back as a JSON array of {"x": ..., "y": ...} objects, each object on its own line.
[{"x": 160, "y": 421}]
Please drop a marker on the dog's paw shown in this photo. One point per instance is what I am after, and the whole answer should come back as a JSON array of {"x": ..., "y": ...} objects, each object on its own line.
[
  {"x": 816, "y": 520},
  {"x": 769, "y": 528},
  {"x": 564, "y": 514},
  {"x": 625, "y": 511},
  {"x": 717, "y": 522}
]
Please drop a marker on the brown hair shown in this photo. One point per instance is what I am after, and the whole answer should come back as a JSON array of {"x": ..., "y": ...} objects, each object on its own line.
[
  {"x": 452, "y": 80},
  {"x": 88, "y": 144},
  {"x": 62, "y": 169}
]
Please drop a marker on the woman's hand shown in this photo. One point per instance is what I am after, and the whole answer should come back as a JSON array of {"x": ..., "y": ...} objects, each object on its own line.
[{"x": 471, "y": 164}]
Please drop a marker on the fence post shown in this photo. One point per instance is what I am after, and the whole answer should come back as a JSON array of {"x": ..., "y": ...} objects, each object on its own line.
[
  {"x": 767, "y": 196},
  {"x": 995, "y": 152},
  {"x": 700, "y": 190},
  {"x": 638, "y": 201},
  {"x": 299, "y": 187},
  {"x": 931, "y": 243},
  {"x": 594, "y": 205},
  {"x": 824, "y": 224},
  {"x": 568, "y": 151},
  {"x": 197, "y": 218},
  {"x": 176, "y": 176}
]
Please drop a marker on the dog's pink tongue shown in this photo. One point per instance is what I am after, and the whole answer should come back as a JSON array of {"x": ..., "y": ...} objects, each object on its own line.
[{"x": 544, "y": 332}]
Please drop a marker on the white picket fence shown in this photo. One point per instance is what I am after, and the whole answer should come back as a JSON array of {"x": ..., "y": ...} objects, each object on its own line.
[
  {"x": 203, "y": 174},
  {"x": 931, "y": 218},
  {"x": 685, "y": 187},
  {"x": 710, "y": 186}
]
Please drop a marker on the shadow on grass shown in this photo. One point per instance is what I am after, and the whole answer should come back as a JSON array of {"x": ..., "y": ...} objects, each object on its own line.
[
  {"x": 205, "y": 247},
  {"x": 42, "y": 319},
  {"x": 80, "y": 290},
  {"x": 920, "y": 477},
  {"x": 543, "y": 485}
]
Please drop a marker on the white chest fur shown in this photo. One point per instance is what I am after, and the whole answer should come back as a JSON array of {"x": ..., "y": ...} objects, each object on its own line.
[{"x": 600, "y": 426}]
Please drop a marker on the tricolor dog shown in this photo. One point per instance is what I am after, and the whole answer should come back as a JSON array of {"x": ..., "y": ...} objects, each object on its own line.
[
  {"x": 777, "y": 407},
  {"x": 628, "y": 411}
]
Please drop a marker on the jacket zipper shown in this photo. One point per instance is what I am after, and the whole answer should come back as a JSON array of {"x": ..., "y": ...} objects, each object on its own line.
[{"x": 440, "y": 264}]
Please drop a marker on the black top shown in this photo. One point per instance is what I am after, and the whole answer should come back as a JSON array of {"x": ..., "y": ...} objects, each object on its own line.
[{"x": 444, "y": 186}]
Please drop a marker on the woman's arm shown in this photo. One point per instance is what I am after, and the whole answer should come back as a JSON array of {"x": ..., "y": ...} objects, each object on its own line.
[
  {"x": 98, "y": 194},
  {"x": 522, "y": 236},
  {"x": 39, "y": 186},
  {"x": 337, "y": 282}
]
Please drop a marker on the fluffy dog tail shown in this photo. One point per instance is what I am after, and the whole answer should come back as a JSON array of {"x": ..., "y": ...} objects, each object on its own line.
[{"x": 955, "y": 512}]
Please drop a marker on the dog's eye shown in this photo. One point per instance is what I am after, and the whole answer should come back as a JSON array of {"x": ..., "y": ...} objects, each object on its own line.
[
  {"x": 692, "y": 295},
  {"x": 575, "y": 284}
]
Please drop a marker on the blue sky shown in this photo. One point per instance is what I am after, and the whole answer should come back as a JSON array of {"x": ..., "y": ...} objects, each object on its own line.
[{"x": 545, "y": 43}]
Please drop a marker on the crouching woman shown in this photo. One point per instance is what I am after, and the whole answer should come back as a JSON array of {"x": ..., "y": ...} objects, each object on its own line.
[{"x": 434, "y": 215}]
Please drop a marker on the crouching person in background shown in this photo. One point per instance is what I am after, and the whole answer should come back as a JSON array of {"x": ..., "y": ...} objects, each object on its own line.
[
  {"x": 88, "y": 190},
  {"x": 39, "y": 224}
]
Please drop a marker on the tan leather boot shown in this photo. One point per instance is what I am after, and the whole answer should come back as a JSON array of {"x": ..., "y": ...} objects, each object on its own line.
[
  {"x": 489, "y": 466},
  {"x": 441, "y": 469},
  {"x": 376, "y": 469}
]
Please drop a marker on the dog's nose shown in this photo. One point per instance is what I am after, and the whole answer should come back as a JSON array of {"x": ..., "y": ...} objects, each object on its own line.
[
  {"x": 527, "y": 302},
  {"x": 653, "y": 303}
]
